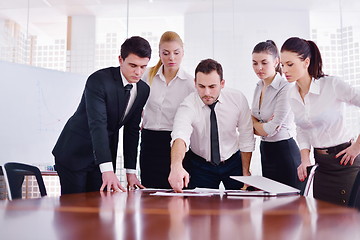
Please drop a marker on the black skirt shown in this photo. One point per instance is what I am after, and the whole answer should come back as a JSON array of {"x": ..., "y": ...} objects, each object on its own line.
[
  {"x": 155, "y": 158},
  {"x": 333, "y": 182},
  {"x": 279, "y": 161}
]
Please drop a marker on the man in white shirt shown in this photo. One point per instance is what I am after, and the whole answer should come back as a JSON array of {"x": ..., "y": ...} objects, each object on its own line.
[{"x": 211, "y": 159}]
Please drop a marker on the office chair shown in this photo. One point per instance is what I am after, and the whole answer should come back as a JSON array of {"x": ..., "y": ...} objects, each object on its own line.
[
  {"x": 14, "y": 174},
  {"x": 310, "y": 177},
  {"x": 354, "y": 200}
]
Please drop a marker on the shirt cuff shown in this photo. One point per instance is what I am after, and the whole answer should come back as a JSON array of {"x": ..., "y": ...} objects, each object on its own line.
[
  {"x": 304, "y": 146},
  {"x": 131, "y": 171},
  {"x": 247, "y": 146},
  {"x": 106, "y": 167},
  {"x": 182, "y": 138},
  {"x": 270, "y": 129}
]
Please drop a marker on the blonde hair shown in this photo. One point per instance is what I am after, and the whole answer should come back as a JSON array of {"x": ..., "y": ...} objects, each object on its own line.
[{"x": 168, "y": 36}]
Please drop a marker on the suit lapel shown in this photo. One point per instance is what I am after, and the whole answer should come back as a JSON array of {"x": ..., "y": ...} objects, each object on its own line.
[
  {"x": 137, "y": 100},
  {"x": 120, "y": 93},
  {"x": 121, "y": 96}
]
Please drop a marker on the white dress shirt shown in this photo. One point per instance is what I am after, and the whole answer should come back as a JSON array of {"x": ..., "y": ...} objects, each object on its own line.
[
  {"x": 320, "y": 117},
  {"x": 192, "y": 124},
  {"x": 275, "y": 105},
  {"x": 164, "y": 99},
  {"x": 105, "y": 167}
]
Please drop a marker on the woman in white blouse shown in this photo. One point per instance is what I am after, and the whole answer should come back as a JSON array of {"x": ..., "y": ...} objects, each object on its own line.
[
  {"x": 317, "y": 101},
  {"x": 272, "y": 117},
  {"x": 169, "y": 85}
]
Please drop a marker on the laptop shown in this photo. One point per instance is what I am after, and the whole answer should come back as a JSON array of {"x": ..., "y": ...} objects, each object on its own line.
[{"x": 269, "y": 187}]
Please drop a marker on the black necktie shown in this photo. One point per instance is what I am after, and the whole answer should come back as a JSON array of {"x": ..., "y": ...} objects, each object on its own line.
[
  {"x": 127, "y": 89},
  {"x": 214, "y": 136}
]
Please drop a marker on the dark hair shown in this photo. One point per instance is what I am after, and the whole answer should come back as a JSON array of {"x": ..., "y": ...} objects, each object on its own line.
[
  {"x": 269, "y": 47},
  {"x": 207, "y": 66},
  {"x": 135, "y": 45},
  {"x": 306, "y": 49}
]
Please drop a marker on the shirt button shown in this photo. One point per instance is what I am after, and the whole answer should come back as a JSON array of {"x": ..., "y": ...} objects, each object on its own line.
[
  {"x": 343, "y": 201},
  {"x": 342, "y": 192}
]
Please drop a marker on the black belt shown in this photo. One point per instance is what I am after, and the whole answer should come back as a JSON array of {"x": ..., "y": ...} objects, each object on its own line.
[
  {"x": 193, "y": 156},
  {"x": 332, "y": 150}
]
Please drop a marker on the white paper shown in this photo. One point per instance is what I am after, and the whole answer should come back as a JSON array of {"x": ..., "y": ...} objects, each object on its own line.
[
  {"x": 184, "y": 194},
  {"x": 154, "y": 189},
  {"x": 204, "y": 190}
]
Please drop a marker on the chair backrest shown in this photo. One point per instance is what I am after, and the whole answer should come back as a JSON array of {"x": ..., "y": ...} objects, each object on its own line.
[
  {"x": 310, "y": 177},
  {"x": 14, "y": 174},
  {"x": 354, "y": 200}
]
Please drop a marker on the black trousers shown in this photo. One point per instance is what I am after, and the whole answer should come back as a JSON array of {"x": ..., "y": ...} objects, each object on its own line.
[
  {"x": 206, "y": 175},
  {"x": 155, "y": 158},
  {"x": 84, "y": 180},
  {"x": 279, "y": 162}
]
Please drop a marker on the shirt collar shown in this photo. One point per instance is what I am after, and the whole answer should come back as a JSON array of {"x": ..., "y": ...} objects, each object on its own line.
[
  {"x": 275, "y": 83},
  {"x": 124, "y": 80},
  {"x": 314, "y": 87},
  {"x": 220, "y": 99},
  {"x": 180, "y": 74}
]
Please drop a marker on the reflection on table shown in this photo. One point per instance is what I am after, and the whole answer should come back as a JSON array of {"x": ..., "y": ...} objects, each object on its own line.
[{"x": 138, "y": 215}]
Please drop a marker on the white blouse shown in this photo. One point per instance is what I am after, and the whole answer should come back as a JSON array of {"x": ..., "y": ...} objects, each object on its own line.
[
  {"x": 164, "y": 99},
  {"x": 275, "y": 106},
  {"x": 235, "y": 128},
  {"x": 320, "y": 117}
]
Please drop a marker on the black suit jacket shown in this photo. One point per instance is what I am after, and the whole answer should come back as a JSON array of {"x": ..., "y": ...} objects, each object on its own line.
[{"x": 91, "y": 135}]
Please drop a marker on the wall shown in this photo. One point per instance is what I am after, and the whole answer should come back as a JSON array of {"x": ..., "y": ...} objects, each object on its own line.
[
  {"x": 236, "y": 32},
  {"x": 35, "y": 105}
]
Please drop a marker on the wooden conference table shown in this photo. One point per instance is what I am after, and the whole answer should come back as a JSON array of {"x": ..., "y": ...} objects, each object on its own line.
[{"x": 138, "y": 215}]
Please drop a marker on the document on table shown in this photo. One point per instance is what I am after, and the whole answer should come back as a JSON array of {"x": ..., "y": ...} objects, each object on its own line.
[
  {"x": 251, "y": 194},
  {"x": 199, "y": 192},
  {"x": 183, "y": 194},
  {"x": 154, "y": 190}
]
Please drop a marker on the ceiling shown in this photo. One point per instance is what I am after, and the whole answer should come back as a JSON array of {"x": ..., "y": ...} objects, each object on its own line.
[{"x": 44, "y": 11}]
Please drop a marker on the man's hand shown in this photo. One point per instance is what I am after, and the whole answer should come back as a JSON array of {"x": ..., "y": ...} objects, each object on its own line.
[
  {"x": 133, "y": 181},
  {"x": 111, "y": 182},
  {"x": 178, "y": 178}
]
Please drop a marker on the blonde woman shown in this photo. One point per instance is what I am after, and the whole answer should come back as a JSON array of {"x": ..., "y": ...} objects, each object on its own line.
[{"x": 169, "y": 85}]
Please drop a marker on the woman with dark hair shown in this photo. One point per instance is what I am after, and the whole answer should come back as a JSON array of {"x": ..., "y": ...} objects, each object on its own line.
[
  {"x": 272, "y": 117},
  {"x": 169, "y": 85},
  {"x": 317, "y": 101}
]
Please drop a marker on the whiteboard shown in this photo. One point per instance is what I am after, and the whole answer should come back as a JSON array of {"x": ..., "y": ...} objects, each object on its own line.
[{"x": 35, "y": 104}]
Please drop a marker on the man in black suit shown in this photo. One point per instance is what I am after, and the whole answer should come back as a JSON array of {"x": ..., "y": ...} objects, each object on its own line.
[{"x": 85, "y": 153}]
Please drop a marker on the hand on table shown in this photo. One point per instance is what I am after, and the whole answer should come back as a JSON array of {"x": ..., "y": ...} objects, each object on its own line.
[{"x": 111, "y": 182}]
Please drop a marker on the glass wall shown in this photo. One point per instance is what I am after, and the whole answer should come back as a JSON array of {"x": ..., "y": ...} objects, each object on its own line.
[{"x": 81, "y": 36}]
